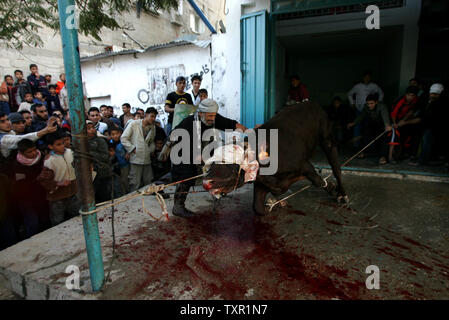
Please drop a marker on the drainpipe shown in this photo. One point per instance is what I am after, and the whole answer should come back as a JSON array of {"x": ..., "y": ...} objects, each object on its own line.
[
  {"x": 74, "y": 84},
  {"x": 202, "y": 16}
]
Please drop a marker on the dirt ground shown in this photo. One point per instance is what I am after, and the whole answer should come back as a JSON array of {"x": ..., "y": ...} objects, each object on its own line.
[{"x": 311, "y": 249}]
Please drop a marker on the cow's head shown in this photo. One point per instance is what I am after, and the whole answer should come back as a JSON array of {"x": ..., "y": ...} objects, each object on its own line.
[{"x": 223, "y": 178}]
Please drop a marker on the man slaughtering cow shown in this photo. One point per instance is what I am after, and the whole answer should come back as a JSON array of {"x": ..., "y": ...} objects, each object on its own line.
[{"x": 195, "y": 125}]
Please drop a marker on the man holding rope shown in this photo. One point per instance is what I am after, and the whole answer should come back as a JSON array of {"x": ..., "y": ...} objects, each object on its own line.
[{"x": 205, "y": 118}]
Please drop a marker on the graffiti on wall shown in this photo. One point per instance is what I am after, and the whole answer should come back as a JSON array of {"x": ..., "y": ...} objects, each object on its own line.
[
  {"x": 161, "y": 81},
  {"x": 205, "y": 70}
]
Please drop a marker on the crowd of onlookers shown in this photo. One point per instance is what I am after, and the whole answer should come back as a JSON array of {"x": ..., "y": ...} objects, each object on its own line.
[
  {"x": 414, "y": 123},
  {"x": 38, "y": 186}
]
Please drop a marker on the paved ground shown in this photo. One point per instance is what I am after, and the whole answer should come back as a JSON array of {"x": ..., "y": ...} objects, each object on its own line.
[{"x": 312, "y": 249}]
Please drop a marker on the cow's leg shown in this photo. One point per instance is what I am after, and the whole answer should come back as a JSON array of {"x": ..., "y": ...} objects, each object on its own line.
[
  {"x": 318, "y": 181},
  {"x": 330, "y": 149},
  {"x": 260, "y": 194}
]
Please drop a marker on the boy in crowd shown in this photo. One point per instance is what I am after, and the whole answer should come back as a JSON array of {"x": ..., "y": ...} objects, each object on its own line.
[
  {"x": 174, "y": 98},
  {"x": 360, "y": 91},
  {"x": 58, "y": 178},
  {"x": 48, "y": 79},
  {"x": 405, "y": 134},
  {"x": 203, "y": 94},
  {"x": 22, "y": 86},
  {"x": 140, "y": 113},
  {"x": 39, "y": 98},
  {"x": 160, "y": 168},
  {"x": 4, "y": 99},
  {"x": 112, "y": 117},
  {"x": 61, "y": 83},
  {"x": 376, "y": 120},
  {"x": 99, "y": 151},
  {"x": 53, "y": 102},
  {"x": 126, "y": 116},
  {"x": 195, "y": 93},
  {"x": 61, "y": 90},
  {"x": 11, "y": 91},
  {"x": 26, "y": 114},
  {"x": 36, "y": 81},
  {"x": 66, "y": 121},
  {"x": 94, "y": 116},
  {"x": 17, "y": 123},
  {"x": 107, "y": 118},
  {"x": 138, "y": 140},
  {"x": 122, "y": 157},
  {"x": 29, "y": 195},
  {"x": 117, "y": 185},
  {"x": 27, "y": 102},
  {"x": 298, "y": 91}
]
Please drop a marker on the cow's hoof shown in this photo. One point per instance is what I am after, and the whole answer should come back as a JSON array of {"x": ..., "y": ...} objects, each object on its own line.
[{"x": 343, "y": 199}]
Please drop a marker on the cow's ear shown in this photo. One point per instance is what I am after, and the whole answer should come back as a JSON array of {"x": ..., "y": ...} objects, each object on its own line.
[{"x": 263, "y": 154}]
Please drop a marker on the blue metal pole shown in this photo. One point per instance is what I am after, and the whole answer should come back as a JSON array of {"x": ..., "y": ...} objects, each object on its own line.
[
  {"x": 202, "y": 16},
  {"x": 74, "y": 85}
]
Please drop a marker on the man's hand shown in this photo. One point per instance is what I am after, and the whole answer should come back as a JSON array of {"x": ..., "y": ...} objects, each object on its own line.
[
  {"x": 388, "y": 128},
  {"x": 350, "y": 125},
  {"x": 165, "y": 153}
]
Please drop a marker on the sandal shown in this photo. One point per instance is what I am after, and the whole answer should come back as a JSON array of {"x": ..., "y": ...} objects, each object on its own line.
[{"x": 382, "y": 161}]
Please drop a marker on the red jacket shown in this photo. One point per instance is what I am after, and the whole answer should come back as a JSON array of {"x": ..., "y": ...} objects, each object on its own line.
[
  {"x": 299, "y": 93},
  {"x": 59, "y": 86}
]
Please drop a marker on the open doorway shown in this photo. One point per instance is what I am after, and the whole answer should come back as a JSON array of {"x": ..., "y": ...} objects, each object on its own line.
[{"x": 330, "y": 63}]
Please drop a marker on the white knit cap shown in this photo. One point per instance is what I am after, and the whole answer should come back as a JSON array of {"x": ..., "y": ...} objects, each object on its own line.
[
  {"x": 208, "y": 105},
  {"x": 437, "y": 88}
]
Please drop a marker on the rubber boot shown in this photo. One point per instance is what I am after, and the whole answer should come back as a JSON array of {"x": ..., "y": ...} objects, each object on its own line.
[{"x": 179, "y": 208}]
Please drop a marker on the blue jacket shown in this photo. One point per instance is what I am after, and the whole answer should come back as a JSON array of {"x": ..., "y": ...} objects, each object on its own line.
[{"x": 120, "y": 153}]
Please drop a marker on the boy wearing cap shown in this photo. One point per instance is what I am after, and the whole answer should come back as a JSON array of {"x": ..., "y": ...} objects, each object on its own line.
[
  {"x": 174, "y": 98},
  {"x": 17, "y": 123}
]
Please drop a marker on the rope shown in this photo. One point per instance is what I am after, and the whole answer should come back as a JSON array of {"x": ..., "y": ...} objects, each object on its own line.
[
  {"x": 271, "y": 204},
  {"x": 148, "y": 191}
]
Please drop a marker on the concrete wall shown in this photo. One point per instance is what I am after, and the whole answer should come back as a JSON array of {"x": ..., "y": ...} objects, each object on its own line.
[
  {"x": 119, "y": 79},
  {"x": 150, "y": 29}
]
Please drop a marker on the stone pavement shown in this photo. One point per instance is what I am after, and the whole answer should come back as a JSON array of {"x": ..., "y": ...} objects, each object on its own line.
[{"x": 311, "y": 249}]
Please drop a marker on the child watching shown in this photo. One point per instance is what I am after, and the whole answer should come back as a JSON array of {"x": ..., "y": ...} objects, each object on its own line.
[
  {"x": 122, "y": 158},
  {"x": 38, "y": 99},
  {"x": 98, "y": 150},
  {"x": 58, "y": 178},
  {"x": 203, "y": 94},
  {"x": 28, "y": 194}
]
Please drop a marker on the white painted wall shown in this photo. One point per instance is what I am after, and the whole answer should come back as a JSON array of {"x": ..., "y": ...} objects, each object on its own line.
[
  {"x": 121, "y": 77},
  {"x": 226, "y": 56}
]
